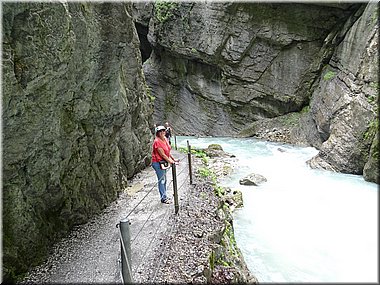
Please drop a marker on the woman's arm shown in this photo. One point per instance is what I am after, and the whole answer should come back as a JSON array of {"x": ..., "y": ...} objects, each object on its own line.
[
  {"x": 172, "y": 157},
  {"x": 164, "y": 156}
]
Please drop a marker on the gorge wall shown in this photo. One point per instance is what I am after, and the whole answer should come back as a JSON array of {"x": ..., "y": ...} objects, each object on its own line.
[
  {"x": 308, "y": 71},
  {"x": 77, "y": 112},
  {"x": 76, "y": 119}
]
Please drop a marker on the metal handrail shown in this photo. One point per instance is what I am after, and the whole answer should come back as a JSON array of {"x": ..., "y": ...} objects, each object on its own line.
[
  {"x": 126, "y": 258},
  {"x": 124, "y": 230}
]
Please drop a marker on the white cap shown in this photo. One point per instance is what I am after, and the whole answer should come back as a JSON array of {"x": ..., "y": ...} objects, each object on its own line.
[{"x": 159, "y": 128}]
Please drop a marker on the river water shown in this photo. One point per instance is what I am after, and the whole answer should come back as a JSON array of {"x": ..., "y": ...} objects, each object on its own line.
[{"x": 302, "y": 225}]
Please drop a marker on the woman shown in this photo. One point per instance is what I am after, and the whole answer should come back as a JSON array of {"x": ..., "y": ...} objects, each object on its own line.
[{"x": 161, "y": 151}]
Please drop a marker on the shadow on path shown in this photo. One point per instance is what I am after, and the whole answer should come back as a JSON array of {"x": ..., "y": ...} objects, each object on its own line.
[{"x": 91, "y": 252}]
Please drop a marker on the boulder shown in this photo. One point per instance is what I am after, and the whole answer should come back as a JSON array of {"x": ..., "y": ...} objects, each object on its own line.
[
  {"x": 233, "y": 197},
  {"x": 253, "y": 179},
  {"x": 216, "y": 150}
]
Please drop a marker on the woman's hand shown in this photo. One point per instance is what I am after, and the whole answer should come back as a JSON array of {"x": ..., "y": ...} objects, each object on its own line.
[{"x": 171, "y": 161}]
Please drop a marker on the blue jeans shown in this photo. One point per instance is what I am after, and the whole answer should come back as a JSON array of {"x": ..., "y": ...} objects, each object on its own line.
[{"x": 161, "y": 176}]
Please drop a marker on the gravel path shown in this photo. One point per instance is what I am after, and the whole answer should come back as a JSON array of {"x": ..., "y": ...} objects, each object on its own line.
[
  {"x": 165, "y": 247},
  {"x": 91, "y": 252}
]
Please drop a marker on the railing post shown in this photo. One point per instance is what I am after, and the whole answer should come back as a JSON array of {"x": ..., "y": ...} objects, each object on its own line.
[
  {"x": 175, "y": 142},
  {"x": 189, "y": 160},
  {"x": 126, "y": 258},
  {"x": 175, "y": 189}
]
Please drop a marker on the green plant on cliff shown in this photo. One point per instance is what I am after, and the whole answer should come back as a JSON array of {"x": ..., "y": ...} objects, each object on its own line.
[
  {"x": 375, "y": 17},
  {"x": 329, "y": 75},
  {"x": 305, "y": 109},
  {"x": 375, "y": 152},
  {"x": 149, "y": 93},
  {"x": 374, "y": 85},
  {"x": 194, "y": 51},
  {"x": 373, "y": 98},
  {"x": 229, "y": 240},
  {"x": 163, "y": 10},
  {"x": 291, "y": 119},
  {"x": 371, "y": 130},
  {"x": 228, "y": 254}
]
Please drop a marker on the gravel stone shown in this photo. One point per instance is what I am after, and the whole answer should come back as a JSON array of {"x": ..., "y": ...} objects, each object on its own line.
[{"x": 165, "y": 247}]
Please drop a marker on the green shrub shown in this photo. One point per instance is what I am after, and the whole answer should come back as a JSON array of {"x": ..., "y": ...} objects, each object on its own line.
[
  {"x": 204, "y": 172},
  {"x": 219, "y": 191},
  {"x": 182, "y": 149},
  {"x": 371, "y": 130},
  {"x": 329, "y": 75},
  {"x": 163, "y": 10},
  {"x": 207, "y": 173}
]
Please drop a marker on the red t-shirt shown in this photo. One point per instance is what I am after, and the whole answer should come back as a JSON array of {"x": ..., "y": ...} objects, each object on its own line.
[{"x": 156, "y": 157}]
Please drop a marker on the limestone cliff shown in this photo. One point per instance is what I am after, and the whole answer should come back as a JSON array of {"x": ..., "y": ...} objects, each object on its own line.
[
  {"x": 76, "y": 119},
  {"x": 241, "y": 68},
  {"x": 344, "y": 104}
]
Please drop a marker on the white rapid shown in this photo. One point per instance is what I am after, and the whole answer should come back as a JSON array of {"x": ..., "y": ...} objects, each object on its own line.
[{"x": 302, "y": 225}]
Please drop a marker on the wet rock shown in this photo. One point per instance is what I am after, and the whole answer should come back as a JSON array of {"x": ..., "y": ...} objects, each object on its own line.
[
  {"x": 216, "y": 150},
  {"x": 76, "y": 119},
  {"x": 253, "y": 179}
]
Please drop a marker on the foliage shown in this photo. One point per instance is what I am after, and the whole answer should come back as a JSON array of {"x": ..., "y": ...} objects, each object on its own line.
[
  {"x": 219, "y": 191},
  {"x": 329, "y": 75},
  {"x": 374, "y": 85},
  {"x": 375, "y": 150},
  {"x": 204, "y": 172},
  {"x": 200, "y": 153},
  {"x": 207, "y": 173},
  {"x": 374, "y": 16},
  {"x": 229, "y": 255},
  {"x": 291, "y": 119},
  {"x": 163, "y": 10},
  {"x": 305, "y": 109},
  {"x": 149, "y": 93},
  {"x": 182, "y": 149},
  {"x": 371, "y": 130},
  {"x": 205, "y": 160},
  {"x": 203, "y": 195},
  {"x": 229, "y": 240},
  {"x": 212, "y": 260},
  {"x": 373, "y": 99}
]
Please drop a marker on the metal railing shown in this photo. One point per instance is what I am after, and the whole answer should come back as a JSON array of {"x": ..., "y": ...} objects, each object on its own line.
[{"x": 125, "y": 261}]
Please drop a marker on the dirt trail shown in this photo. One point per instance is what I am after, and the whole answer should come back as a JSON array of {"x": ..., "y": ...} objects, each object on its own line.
[{"x": 91, "y": 252}]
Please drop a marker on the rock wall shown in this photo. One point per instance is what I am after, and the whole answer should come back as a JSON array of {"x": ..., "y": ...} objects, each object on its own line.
[
  {"x": 76, "y": 119},
  {"x": 344, "y": 104},
  {"x": 218, "y": 66},
  {"x": 300, "y": 73}
]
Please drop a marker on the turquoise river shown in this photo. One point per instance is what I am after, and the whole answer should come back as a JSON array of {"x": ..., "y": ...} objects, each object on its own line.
[{"x": 303, "y": 224}]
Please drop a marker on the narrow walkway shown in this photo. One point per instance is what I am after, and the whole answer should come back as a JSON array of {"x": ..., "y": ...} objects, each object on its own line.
[{"x": 91, "y": 252}]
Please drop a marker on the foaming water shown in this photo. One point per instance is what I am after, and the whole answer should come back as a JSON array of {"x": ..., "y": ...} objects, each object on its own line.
[{"x": 302, "y": 225}]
